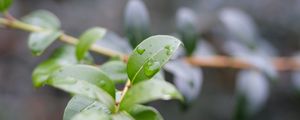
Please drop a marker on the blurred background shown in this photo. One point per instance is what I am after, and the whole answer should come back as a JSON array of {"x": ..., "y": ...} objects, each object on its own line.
[{"x": 278, "y": 22}]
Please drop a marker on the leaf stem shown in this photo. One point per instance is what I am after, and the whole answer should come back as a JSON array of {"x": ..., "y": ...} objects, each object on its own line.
[{"x": 124, "y": 91}]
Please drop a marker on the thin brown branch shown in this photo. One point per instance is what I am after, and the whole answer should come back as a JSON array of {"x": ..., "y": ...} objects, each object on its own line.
[{"x": 281, "y": 63}]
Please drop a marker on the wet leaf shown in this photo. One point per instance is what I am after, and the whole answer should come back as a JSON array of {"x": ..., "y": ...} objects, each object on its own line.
[
  {"x": 87, "y": 73},
  {"x": 91, "y": 115},
  {"x": 148, "y": 91},
  {"x": 122, "y": 116},
  {"x": 80, "y": 103},
  {"x": 81, "y": 87},
  {"x": 149, "y": 56},
  {"x": 140, "y": 112},
  {"x": 42, "y": 18},
  {"x": 39, "y": 41},
  {"x": 116, "y": 71},
  {"x": 113, "y": 41},
  {"x": 62, "y": 56},
  {"x": 187, "y": 78},
  {"x": 87, "y": 39}
]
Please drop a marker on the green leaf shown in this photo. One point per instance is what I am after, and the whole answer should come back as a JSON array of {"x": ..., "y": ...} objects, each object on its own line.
[
  {"x": 160, "y": 75},
  {"x": 39, "y": 41},
  {"x": 122, "y": 116},
  {"x": 5, "y": 4},
  {"x": 254, "y": 86},
  {"x": 186, "y": 23},
  {"x": 42, "y": 18},
  {"x": 87, "y": 39},
  {"x": 62, "y": 56},
  {"x": 91, "y": 115},
  {"x": 80, "y": 103},
  {"x": 81, "y": 87},
  {"x": 240, "y": 26},
  {"x": 188, "y": 79},
  {"x": 150, "y": 90},
  {"x": 116, "y": 71},
  {"x": 141, "y": 112},
  {"x": 88, "y": 73},
  {"x": 43, "y": 71},
  {"x": 136, "y": 22},
  {"x": 149, "y": 56}
]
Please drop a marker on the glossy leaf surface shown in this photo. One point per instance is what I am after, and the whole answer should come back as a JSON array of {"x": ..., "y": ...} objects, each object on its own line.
[
  {"x": 91, "y": 115},
  {"x": 62, "y": 56},
  {"x": 121, "y": 116},
  {"x": 141, "y": 112},
  {"x": 39, "y": 41},
  {"x": 81, "y": 87},
  {"x": 80, "y": 103},
  {"x": 115, "y": 42},
  {"x": 87, "y": 39},
  {"x": 187, "y": 78},
  {"x": 148, "y": 91},
  {"x": 149, "y": 56},
  {"x": 116, "y": 71},
  {"x": 42, "y": 18},
  {"x": 87, "y": 73}
]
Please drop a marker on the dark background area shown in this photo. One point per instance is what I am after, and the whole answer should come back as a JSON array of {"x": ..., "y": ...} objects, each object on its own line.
[{"x": 278, "y": 21}]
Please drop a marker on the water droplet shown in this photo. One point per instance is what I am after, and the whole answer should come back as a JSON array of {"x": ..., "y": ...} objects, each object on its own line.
[
  {"x": 151, "y": 68},
  {"x": 166, "y": 97},
  {"x": 102, "y": 82},
  {"x": 140, "y": 51},
  {"x": 68, "y": 80},
  {"x": 166, "y": 94},
  {"x": 169, "y": 49}
]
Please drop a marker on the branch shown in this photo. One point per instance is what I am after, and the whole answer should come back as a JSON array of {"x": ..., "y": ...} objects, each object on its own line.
[
  {"x": 64, "y": 37},
  {"x": 281, "y": 63}
]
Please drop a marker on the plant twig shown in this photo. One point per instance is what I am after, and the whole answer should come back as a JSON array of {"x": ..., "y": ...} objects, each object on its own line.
[
  {"x": 124, "y": 91},
  {"x": 64, "y": 37},
  {"x": 281, "y": 63}
]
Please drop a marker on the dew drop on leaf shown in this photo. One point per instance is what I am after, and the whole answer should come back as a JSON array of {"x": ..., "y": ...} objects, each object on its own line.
[
  {"x": 151, "y": 68},
  {"x": 169, "y": 49},
  {"x": 166, "y": 97},
  {"x": 140, "y": 51},
  {"x": 68, "y": 80}
]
